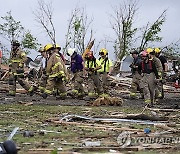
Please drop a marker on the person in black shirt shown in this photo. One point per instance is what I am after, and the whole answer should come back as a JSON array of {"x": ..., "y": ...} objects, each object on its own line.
[{"x": 137, "y": 83}]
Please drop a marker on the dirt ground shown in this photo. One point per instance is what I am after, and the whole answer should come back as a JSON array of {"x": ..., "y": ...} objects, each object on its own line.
[{"x": 35, "y": 114}]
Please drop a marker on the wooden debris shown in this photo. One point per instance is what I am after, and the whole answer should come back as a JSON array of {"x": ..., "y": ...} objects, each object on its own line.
[
  {"x": 164, "y": 110},
  {"x": 5, "y": 75},
  {"x": 165, "y": 127},
  {"x": 105, "y": 148},
  {"x": 107, "y": 101},
  {"x": 95, "y": 126},
  {"x": 41, "y": 149},
  {"x": 26, "y": 103}
]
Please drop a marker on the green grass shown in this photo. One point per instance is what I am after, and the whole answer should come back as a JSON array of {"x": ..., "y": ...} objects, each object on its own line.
[{"x": 34, "y": 118}]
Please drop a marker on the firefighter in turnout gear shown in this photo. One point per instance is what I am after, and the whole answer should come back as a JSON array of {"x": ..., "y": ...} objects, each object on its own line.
[
  {"x": 91, "y": 66},
  {"x": 43, "y": 78},
  {"x": 16, "y": 70},
  {"x": 106, "y": 69},
  {"x": 160, "y": 91},
  {"x": 56, "y": 72},
  {"x": 77, "y": 68},
  {"x": 137, "y": 83},
  {"x": 158, "y": 72},
  {"x": 152, "y": 71}
]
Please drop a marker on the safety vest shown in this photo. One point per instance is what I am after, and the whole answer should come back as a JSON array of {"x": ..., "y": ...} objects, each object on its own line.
[{"x": 105, "y": 63}]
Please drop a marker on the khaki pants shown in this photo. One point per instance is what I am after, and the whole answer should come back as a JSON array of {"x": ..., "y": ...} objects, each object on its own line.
[
  {"x": 42, "y": 83},
  {"x": 149, "y": 87},
  {"x": 104, "y": 81},
  {"x": 12, "y": 83},
  {"x": 78, "y": 80},
  {"x": 94, "y": 85},
  {"x": 137, "y": 82},
  {"x": 55, "y": 84}
]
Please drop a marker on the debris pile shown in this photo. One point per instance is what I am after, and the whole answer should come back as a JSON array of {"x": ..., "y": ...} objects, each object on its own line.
[{"x": 108, "y": 101}]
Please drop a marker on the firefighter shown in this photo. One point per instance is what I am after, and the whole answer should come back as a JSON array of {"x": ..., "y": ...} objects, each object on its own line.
[
  {"x": 56, "y": 72},
  {"x": 43, "y": 78},
  {"x": 152, "y": 72},
  {"x": 91, "y": 66},
  {"x": 77, "y": 68},
  {"x": 160, "y": 91},
  {"x": 106, "y": 69},
  {"x": 159, "y": 72},
  {"x": 162, "y": 59},
  {"x": 57, "y": 49},
  {"x": 136, "y": 73},
  {"x": 16, "y": 70}
]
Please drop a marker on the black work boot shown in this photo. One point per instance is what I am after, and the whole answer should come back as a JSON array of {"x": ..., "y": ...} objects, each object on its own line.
[
  {"x": 44, "y": 95},
  {"x": 31, "y": 93}
]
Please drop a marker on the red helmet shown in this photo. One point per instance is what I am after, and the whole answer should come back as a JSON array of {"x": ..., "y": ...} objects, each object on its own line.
[{"x": 144, "y": 53}]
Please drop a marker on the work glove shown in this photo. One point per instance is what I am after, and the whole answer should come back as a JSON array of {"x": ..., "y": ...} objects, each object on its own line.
[
  {"x": 21, "y": 65},
  {"x": 91, "y": 69}
]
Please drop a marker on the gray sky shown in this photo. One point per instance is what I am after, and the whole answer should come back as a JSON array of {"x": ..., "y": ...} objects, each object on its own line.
[{"x": 149, "y": 10}]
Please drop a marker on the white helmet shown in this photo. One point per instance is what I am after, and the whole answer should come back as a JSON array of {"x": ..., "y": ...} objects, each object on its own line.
[{"x": 71, "y": 51}]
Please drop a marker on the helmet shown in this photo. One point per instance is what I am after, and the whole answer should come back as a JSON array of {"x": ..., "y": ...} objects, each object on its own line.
[
  {"x": 149, "y": 50},
  {"x": 103, "y": 51},
  {"x": 48, "y": 47},
  {"x": 134, "y": 52},
  {"x": 89, "y": 55},
  {"x": 71, "y": 51},
  {"x": 41, "y": 49},
  {"x": 57, "y": 46},
  {"x": 15, "y": 43},
  {"x": 144, "y": 53},
  {"x": 157, "y": 50}
]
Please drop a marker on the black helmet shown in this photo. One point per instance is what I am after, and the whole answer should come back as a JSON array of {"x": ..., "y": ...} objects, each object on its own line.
[
  {"x": 15, "y": 43},
  {"x": 134, "y": 52}
]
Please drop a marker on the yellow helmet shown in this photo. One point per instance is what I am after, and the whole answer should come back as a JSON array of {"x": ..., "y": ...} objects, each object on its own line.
[
  {"x": 157, "y": 50},
  {"x": 149, "y": 50},
  {"x": 103, "y": 51},
  {"x": 41, "y": 49},
  {"x": 57, "y": 46},
  {"x": 48, "y": 47}
]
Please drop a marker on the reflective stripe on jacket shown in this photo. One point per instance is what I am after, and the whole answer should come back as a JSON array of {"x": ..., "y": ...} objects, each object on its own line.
[{"x": 56, "y": 66}]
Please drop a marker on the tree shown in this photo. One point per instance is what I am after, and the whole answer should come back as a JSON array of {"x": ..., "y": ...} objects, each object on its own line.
[
  {"x": 5, "y": 52},
  {"x": 172, "y": 51},
  {"x": 151, "y": 31},
  {"x": 44, "y": 17},
  {"x": 13, "y": 30},
  {"x": 122, "y": 24},
  {"x": 77, "y": 32}
]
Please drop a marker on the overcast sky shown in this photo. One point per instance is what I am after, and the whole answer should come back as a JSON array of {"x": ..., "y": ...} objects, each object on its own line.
[{"x": 149, "y": 10}]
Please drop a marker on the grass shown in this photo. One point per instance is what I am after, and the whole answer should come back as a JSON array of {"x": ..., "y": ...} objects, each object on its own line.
[{"x": 34, "y": 118}]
